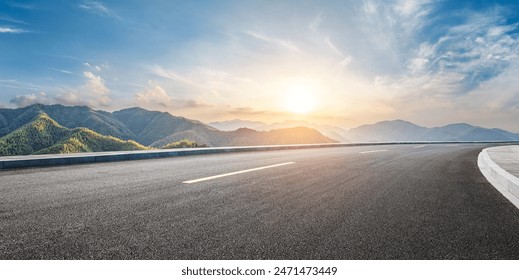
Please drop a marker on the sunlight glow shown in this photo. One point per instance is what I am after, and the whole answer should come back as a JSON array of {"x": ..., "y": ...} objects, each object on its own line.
[{"x": 299, "y": 99}]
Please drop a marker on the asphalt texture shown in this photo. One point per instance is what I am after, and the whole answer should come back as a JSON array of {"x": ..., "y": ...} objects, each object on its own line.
[{"x": 404, "y": 202}]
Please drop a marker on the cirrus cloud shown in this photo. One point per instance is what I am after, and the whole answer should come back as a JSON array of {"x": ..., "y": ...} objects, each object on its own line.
[{"x": 4, "y": 29}]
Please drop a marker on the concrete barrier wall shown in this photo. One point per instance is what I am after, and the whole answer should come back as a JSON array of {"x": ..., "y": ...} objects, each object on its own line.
[
  {"x": 503, "y": 181},
  {"x": 67, "y": 159}
]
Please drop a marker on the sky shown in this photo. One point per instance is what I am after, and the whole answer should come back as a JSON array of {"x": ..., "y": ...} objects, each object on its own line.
[{"x": 343, "y": 63}]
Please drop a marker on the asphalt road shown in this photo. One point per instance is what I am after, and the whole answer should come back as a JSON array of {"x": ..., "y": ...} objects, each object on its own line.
[{"x": 370, "y": 202}]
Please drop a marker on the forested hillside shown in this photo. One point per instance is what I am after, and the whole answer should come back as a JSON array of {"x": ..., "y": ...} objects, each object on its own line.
[
  {"x": 85, "y": 140},
  {"x": 37, "y": 134},
  {"x": 67, "y": 116},
  {"x": 152, "y": 126},
  {"x": 43, "y": 135}
]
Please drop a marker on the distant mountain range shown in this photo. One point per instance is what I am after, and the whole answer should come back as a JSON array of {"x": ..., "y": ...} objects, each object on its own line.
[
  {"x": 399, "y": 130},
  {"x": 41, "y": 129},
  {"x": 333, "y": 132},
  {"x": 386, "y": 131},
  {"x": 232, "y": 125},
  {"x": 64, "y": 129}
]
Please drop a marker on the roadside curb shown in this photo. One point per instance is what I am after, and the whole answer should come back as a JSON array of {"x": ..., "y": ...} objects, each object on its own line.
[{"x": 503, "y": 181}]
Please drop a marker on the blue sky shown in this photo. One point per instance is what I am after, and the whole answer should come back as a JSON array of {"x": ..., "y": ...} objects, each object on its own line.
[{"x": 429, "y": 62}]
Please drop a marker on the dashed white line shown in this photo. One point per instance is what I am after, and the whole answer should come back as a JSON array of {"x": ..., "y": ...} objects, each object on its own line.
[
  {"x": 235, "y": 173},
  {"x": 421, "y": 146},
  {"x": 374, "y": 151}
]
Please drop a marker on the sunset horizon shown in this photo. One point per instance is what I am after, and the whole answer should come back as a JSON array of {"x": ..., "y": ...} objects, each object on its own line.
[{"x": 428, "y": 62}]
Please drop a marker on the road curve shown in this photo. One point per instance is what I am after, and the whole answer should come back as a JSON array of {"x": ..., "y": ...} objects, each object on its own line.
[{"x": 391, "y": 202}]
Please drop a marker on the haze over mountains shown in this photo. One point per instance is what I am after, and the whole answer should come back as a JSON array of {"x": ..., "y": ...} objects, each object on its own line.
[
  {"x": 40, "y": 129},
  {"x": 386, "y": 131},
  {"x": 399, "y": 130},
  {"x": 333, "y": 132}
]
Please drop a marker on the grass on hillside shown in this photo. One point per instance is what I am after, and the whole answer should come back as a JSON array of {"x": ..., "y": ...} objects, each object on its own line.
[{"x": 182, "y": 144}]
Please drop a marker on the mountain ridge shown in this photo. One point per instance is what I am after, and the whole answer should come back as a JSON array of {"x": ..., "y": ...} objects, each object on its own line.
[
  {"x": 329, "y": 131},
  {"x": 400, "y": 130},
  {"x": 44, "y": 135},
  {"x": 88, "y": 130},
  {"x": 62, "y": 129}
]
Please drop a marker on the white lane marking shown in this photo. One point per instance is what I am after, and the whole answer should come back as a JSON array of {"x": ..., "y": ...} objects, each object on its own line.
[
  {"x": 374, "y": 151},
  {"x": 235, "y": 173},
  {"x": 421, "y": 146}
]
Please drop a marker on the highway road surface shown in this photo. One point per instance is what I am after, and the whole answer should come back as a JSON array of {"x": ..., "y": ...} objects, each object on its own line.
[{"x": 368, "y": 202}]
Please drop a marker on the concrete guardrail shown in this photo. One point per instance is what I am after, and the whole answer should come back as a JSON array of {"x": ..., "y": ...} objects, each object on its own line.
[{"x": 80, "y": 158}]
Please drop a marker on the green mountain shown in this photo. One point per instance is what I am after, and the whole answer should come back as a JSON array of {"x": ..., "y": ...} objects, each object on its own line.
[
  {"x": 83, "y": 140},
  {"x": 39, "y": 129},
  {"x": 137, "y": 124},
  {"x": 152, "y": 126},
  {"x": 250, "y": 137},
  {"x": 67, "y": 116},
  {"x": 43, "y": 135},
  {"x": 37, "y": 134}
]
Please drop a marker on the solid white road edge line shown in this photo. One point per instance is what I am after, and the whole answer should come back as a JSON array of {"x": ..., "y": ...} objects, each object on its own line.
[
  {"x": 235, "y": 173},
  {"x": 374, "y": 151}
]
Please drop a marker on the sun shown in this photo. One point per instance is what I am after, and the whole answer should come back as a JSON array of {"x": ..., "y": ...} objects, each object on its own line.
[{"x": 299, "y": 99}]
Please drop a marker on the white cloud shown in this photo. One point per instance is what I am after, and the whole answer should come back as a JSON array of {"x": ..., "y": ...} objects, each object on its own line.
[
  {"x": 97, "y": 90},
  {"x": 156, "y": 97},
  {"x": 169, "y": 74},
  {"x": 201, "y": 80},
  {"x": 389, "y": 29},
  {"x": 95, "y": 83},
  {"x": 93, "y": 92},
  {"x": 369, "y": 7},
  {"x": 284, "y": 44},
  {"x": 416, "y": 65},
  {"x": 500, "y": 30},
  {"x": 410, "y": 7},
  {"x": 334, "y": 48},
  {"x": 64, "y": 71},
  {"x": 99, "y": 8},
  {"x": 468, "y": 50},
  {"x": 70, "y": 98},
  {"x": 4, "y": 29},
  {"x": 94, "y": 67},
  {"x": 29, "y": 99},
  {"x": 12, "y": 20}
]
